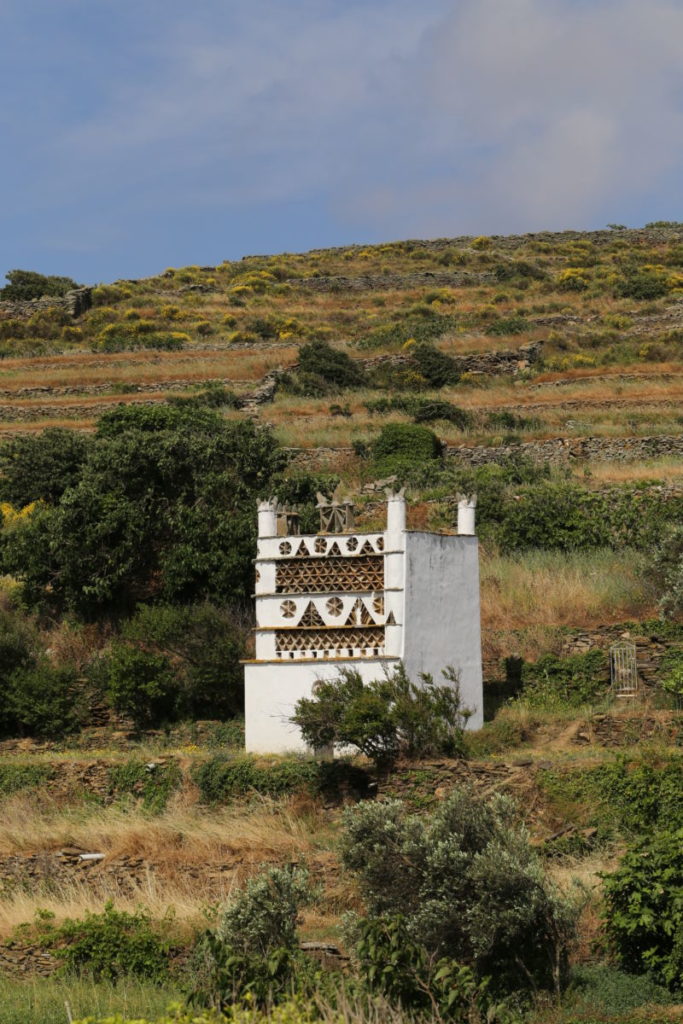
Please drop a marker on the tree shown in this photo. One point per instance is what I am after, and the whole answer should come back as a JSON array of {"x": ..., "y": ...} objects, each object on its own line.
[
  {"x": 163, "y": 510},
  {"x": 466, "y": 883},
  {"x": 28, "y": 284},
  {"x": 205, "y": 644},
  {"x": 43, "y": 466}
]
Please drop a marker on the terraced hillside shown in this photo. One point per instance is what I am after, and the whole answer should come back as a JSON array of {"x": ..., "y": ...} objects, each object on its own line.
[{"x": 544, "y": 372}]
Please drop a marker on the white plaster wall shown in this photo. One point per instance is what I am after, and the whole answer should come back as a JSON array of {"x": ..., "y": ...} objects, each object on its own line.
[
  {"x": 272, "y": 690},
  {"x": 441, "y": 620}
]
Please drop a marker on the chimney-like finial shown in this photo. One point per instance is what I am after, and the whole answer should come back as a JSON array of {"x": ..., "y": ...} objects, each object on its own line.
[{"x": 467, "y": 504}]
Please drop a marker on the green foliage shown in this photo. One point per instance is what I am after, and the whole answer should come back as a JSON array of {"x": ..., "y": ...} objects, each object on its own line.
[
  {"x": 668, "y": 570},
  {"x": 644, "y": 908},
  {"x": 643, "y": 285},
  {"x": 252, "y": 954},
  {"x": 508, "y": 325},
  {"x": 324, "y": 370},
  {"x": 423, "y": 410},
  {"x": 164, "y": 510},
  {"x": 41, "y": 467},
  {"x": 635, "y": 796},
  {"x": 28, "y": 284},
  {"x": 204, "y": 644},
  {"x": 110, "y": 945},
  {"x": 386, "y": 717},
  {"x": 140, "y": 684},
  {"x": 437, "y": 368},
  {"x": 467, "y": 884},
  {"x": 223, "y": 778},
  {"x": 15, "y": 777},
  {"x": 42, "y": 700},
  {"x": 407, "y": 441},
  {"x": 606, "y": 989},
  {"x": 152, "y": 782},
  {"x": 392, "y": 964},
  {"x": 554, "y": 682}
]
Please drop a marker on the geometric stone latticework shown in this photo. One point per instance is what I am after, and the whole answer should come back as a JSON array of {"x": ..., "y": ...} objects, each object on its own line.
[
  {"x": 364, "y": 638},
  {"x": 311, "y": 617},
  {"x": 359, "y": 616},
  {"x": 322, "y": 575}
]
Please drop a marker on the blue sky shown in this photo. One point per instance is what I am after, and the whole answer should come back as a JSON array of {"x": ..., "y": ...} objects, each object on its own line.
[{"x": 141, "y": 134}]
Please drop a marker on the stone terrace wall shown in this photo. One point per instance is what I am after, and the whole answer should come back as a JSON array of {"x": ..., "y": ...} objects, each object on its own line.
[
  {"x": 558, "y": 450},
  {"x": 75, "y": 302}
]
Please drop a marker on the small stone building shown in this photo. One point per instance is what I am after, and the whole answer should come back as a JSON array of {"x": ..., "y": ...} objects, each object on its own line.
[{"x": 365, "y": 601}]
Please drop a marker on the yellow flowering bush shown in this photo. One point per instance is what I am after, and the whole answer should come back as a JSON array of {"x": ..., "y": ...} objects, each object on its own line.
[{"x": 11, "y": 515}]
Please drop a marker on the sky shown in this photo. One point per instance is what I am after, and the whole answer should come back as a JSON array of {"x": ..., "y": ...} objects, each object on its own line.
[{"x": 141, "y": 134}]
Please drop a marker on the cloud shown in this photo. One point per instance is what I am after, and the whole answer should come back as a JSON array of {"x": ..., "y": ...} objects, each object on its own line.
[
  {"x": 544, "y": 113},
  {"x": 334, "y": 119}
]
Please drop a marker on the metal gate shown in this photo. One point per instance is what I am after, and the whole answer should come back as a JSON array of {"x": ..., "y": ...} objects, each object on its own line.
[{"x": 623, "y": 669}]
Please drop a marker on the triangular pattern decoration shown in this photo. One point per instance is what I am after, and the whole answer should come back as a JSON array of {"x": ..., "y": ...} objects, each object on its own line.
[
  {"x": 367, "y": 549},
  {"x": 303, "y": 551},
  {"x": 311, "y": 616},
  {"x": 391, "y": 621},
  {"x": 360, "y": 616},
  {"x": 334, "y": 549}
]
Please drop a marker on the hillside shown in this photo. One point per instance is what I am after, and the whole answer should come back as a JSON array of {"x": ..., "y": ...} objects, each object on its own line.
[{"x": 549, "y": 368}]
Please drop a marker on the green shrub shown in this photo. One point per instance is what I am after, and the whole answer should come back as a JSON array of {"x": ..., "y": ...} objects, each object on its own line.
[
  {"x": 643, "y": 285},
  {"x": 43, "y": 701},
  {"x": 393, "y": 965},
  {"x": 555, "y": 682},
  {"x": 386, "y": 717},
  {"x": 319, "y": 361},
  {"x": 205, "y": 644},
  {"x": 41, "y": 467},
  {"x": 111, "y": 945},
  {"x": 140, "y": 684},
  {"x": 252, "y": 955},
  {"x": 152, "y": 782},
  {"x": 468, "y": 885},
  {"x": 635, "y": 796},
  {"x": 223, "y": 778},
  {"x": 508, "y": 325},
  {"x": 15, "y": 777},
  {"x": 644, "y": 908},
  {"x": 423, "y": 410},
  {"x": 435, "y": 366},
  {"x": 404, "y": 439},
  {"x": 606, "y": 989}
]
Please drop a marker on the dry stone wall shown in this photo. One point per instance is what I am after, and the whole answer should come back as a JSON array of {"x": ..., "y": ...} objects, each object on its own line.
[{"x": 75, "y": 302}]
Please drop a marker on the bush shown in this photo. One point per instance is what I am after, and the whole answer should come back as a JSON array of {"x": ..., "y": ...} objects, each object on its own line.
[
  {"x": 508, "y": 325},
  {"x": 406, "y": 440},
  {"x": 392, "y": 964},
  {"x": 111, "y": 945},
  {"x": 435, "y": 366},
  {"x": 643, "y": 285},
  {"x": 332, "y": 369},
  {"x": 205, "y": 644},
  {"x": 42, "y": 701},
  {"x": 252, "y": 954},
  {"x": 223, "y": 778},
  {"x": 384, "y": 718},
  {"x": 644, "y": 908},
  {"x": 153, "y": 784},
  {"x": 467, "y": 884},
  {"x": 139, "y": 684},
  {"x": 554, "y": 682}
]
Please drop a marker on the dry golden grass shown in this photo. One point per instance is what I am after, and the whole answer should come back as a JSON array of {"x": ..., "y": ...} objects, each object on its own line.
[
  {"x": 193, "y": 855},
  {"x": 553, "y": 588},
  {"x": 667, "y": 469}
]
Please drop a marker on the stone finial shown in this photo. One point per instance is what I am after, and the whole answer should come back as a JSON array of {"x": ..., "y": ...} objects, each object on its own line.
[
  {"x": 396, "y": 511},
  {"x": 267, "y": 518},
  {"x": 466, "y": 515}
]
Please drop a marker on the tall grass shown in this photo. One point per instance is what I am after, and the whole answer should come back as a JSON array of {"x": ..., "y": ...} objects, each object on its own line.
[
  {"x": 581, "y": 588},
  {"x": 45, "y": 1000}
]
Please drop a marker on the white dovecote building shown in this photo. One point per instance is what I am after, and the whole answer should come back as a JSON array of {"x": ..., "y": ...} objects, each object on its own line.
[{"x": 364, "y": 601}]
